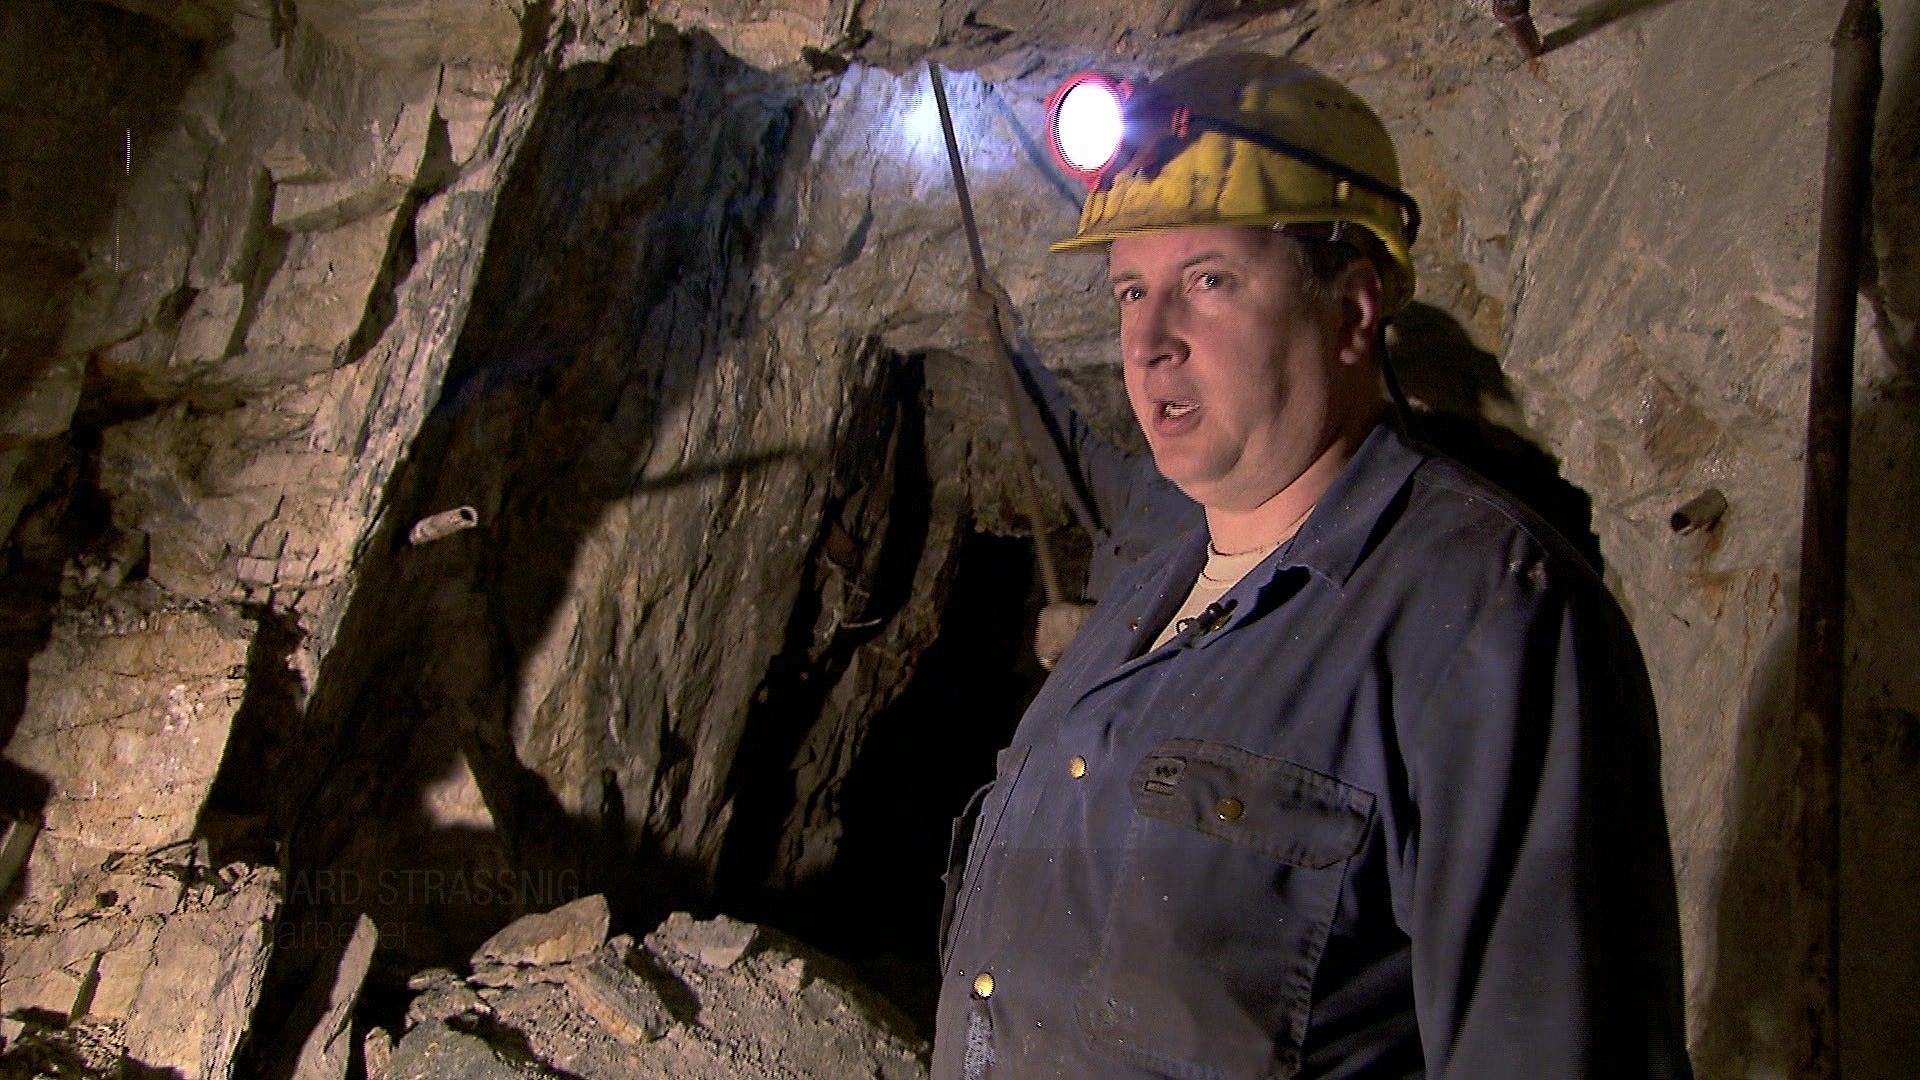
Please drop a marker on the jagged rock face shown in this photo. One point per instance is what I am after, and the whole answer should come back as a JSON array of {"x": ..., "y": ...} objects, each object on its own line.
[
  {"x": 164, "y": 955},
  {"x": 664, "y": 294},
  {"x": 720, "y": 504},
  {"x": 129, "y": 727}
]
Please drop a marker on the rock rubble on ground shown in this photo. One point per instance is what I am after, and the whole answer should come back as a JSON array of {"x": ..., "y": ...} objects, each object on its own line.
[{"x": 694, "y": 999}]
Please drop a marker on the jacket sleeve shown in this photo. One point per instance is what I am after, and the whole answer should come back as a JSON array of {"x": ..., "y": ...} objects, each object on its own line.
[
  {"x": 1537, "y": 886},
  {"x": 1097, "y": 478}
]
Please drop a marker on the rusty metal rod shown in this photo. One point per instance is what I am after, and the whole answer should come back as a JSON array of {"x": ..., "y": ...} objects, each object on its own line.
[
  {"x": 1820, "y": 667},
  {"x": 1009, "y": 380},
  {"x": 1517, "y": 17}
]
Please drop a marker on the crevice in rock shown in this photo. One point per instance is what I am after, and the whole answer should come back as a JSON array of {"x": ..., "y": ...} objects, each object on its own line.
[
  {"x": 45, "y": 562},
  {"x": 263, "y": 251},
  {"x": 402, "y": 249},
  {"x": 859, "y": 577},
  {"x": 878, "y": 905}
]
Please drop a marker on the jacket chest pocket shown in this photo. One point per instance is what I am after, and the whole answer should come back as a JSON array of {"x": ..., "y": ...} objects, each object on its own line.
[{"x": 1225, "y": 896}]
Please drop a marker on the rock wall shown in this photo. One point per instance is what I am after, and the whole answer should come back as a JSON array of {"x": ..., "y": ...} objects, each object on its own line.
[
  {"x": 165, "y": 957},
  {"x": 724, "y": 483},
  {"x": 1660, "y": 238},
  {"x": 246, "y": 248},
  {"x": 663, "y": 296}
]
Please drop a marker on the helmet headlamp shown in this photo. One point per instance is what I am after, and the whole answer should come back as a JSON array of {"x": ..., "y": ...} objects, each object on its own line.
[
  {"x": 1086, "y": 123},
  {"x": 1099, "y": 126},
  {"x": 1234, "y": 139}
]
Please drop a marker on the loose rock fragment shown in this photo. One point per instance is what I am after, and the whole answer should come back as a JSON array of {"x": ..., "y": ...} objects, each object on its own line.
[
  {"x": 445, "y": 1002},
  {"x": 377, "y": 1050},
  {"x": 435, "y": 1051},
  {"x": 324, "y": 1054},
  {"x": 623, "y": 1004},
  {"x": 717, "y": 943},
  {"x": 700, "y": 1000},
  {"x": 551, "y": 937}
]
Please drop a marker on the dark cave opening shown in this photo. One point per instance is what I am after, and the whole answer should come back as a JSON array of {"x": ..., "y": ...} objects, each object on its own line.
[{"x": 878, "y": 906}]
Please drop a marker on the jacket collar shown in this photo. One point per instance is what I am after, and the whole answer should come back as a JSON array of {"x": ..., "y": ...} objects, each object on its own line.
[
  {"x": 1335, "y": 539},
  {"x": 1345, "y": 525}
]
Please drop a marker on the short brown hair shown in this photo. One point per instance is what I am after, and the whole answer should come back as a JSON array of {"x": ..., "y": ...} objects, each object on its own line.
[{"x": 1323, "y": 252}]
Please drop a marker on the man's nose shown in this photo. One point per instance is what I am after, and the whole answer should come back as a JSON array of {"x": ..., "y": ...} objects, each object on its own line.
[{"x": 1152, "y": 333}]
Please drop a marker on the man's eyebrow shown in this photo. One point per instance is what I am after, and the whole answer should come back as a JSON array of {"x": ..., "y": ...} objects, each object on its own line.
[
  {"x": 1210, "y": 255},
  {"x": 1185, "y": 264}
]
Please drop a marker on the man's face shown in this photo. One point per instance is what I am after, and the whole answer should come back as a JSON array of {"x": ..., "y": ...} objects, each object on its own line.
[{"x": 1239, "y": 381}]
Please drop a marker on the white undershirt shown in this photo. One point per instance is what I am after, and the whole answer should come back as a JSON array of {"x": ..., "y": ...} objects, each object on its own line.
[{"x": 1220, "y": 574}]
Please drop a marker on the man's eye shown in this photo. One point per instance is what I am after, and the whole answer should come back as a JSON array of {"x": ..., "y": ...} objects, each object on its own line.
[
  {"x": 1207, "y": 279},
  {"x": 1127, "y": 294}
]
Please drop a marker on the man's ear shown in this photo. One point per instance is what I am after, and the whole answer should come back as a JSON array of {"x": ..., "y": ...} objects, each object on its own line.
[{"x": 1359, "y": 292}]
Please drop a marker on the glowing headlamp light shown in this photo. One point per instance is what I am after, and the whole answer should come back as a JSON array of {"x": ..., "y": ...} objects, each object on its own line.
[
  {"x": 1086, "y": 123},
  {"x": 1098, "y": 125}
]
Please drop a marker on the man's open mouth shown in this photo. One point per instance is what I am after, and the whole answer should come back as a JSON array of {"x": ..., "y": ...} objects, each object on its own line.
[{"x": 1174, "y": 410}]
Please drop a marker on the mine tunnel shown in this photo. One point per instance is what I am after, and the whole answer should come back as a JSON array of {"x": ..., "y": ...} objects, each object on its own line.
[{"x": 513, "y": 557}]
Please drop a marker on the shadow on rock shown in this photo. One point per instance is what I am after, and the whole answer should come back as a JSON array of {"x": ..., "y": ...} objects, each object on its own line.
[{"x": 1464, "y": 406}]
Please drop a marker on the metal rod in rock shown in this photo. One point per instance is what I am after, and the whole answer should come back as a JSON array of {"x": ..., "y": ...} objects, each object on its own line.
[
  {"x": 1009, "y": 380},
  {"x": 1820, "y": 662}
]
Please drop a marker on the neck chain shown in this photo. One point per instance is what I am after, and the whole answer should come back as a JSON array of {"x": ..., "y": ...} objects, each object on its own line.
[
  {"x": 1292, "y": 530},
  {"x": 1232, "y": 568}
]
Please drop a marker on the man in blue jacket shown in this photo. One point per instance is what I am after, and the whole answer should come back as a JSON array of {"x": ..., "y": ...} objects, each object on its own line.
[{"x": 1361, "y": 778}]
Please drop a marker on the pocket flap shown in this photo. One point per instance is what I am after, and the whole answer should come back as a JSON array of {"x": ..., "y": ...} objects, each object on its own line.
[{"x": 1301, "y": 817}]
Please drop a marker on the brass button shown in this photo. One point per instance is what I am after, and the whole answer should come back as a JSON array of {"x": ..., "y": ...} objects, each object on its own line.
[
  {"x": 983, "y": 985},
  {"x": 1076, "y": 766},
  {"x": 1230, "y": 809},
  {"x": 1134, "y": 625}
]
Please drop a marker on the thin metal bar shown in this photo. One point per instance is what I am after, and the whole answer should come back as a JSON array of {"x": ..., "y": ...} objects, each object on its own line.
[
  {"x": 1820, "y": 669},
  {"x": 959, "y": 174},
  {"x": 1009, "y": 380}
]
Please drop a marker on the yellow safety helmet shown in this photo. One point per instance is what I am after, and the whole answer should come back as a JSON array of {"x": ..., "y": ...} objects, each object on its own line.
[{"x": 1232, "y": 139}]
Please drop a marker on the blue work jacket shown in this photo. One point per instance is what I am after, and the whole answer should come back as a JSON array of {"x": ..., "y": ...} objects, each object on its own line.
[{"x": 1392, "y": 808}]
